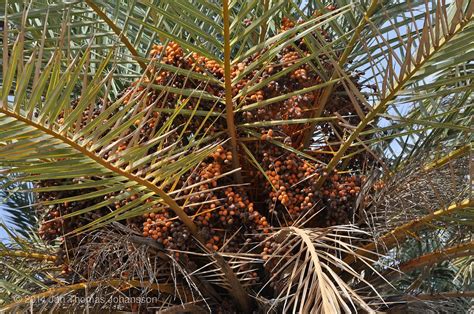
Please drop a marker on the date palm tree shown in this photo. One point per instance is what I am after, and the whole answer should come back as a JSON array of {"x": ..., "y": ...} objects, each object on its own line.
[{"x": 238, "y": 156}]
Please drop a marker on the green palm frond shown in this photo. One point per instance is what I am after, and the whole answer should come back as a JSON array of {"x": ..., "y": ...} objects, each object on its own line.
[
  {"x": 423, "y": 57},
  {"x": 27, "y": 264}
]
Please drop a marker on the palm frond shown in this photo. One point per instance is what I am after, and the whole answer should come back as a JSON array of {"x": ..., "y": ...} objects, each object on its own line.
[
  {"x": 308, "y": 279},
  {"x": 418, "y": 64}
]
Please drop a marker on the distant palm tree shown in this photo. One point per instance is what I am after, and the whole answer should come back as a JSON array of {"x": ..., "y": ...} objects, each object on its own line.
[
  {"x": 17, "y": 209},
  {"x": 237, "y": 156}
]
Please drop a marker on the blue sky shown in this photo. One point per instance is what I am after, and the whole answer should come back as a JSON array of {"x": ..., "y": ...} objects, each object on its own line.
[{"x": 3, "y": 214}]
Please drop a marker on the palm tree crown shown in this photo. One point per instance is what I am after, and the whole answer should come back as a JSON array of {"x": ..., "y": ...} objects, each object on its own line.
[{"x": 237, "y": 156}]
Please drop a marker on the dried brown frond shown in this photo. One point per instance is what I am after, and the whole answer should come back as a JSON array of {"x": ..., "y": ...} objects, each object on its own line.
[
  {"x": 119, "y": 253},
  {"x": 413, "y": 192},
  {"x": 306, "y": 268}
]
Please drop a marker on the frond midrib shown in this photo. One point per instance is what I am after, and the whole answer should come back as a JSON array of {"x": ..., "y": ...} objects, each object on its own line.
[
  {"x": 391, "y": 96},
  {"x": 393, "y": 237},
  {"x": 100, "y": 161}
]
